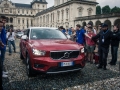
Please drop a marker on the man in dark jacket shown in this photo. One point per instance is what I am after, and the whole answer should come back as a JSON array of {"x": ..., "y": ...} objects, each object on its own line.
[
  {"x": 115, "y": 44},
  {"x": 104, "y": 37}
]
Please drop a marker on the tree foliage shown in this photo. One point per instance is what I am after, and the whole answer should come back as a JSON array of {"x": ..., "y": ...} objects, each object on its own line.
[
  {"x": 115, "y": 10},
  {"x": 106, "y": 9},
  {"x": 98, "y": 10}
]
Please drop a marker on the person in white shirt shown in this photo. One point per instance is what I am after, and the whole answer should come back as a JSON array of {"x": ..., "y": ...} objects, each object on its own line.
[{"x": 11, "y": 40}]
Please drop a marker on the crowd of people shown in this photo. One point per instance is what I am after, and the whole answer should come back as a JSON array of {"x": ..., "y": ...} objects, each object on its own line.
[{"x": 96, "y": 42}]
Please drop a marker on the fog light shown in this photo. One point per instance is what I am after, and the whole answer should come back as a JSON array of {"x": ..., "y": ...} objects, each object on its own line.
[{"x": 39, "y": 65}]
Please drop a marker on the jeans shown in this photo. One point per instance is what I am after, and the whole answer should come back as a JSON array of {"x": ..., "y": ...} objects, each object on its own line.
[
  {"x": 114, "y": 52},
  {"x": 9, "y": 45},
  {"x": 103, "y": 54}
]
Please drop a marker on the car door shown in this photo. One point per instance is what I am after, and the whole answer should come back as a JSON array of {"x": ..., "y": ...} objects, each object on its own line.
[{"x": 25, "y": 42}]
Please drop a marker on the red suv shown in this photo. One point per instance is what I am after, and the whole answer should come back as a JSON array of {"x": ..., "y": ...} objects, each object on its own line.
[{"x": 49, "y": 51}]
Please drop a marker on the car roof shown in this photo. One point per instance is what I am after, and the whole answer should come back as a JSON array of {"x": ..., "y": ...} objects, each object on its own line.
[{"x": 43, "y": 28}]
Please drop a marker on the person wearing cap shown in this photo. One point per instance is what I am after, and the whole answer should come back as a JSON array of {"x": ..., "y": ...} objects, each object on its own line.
[
  {"x": 104, "y": 37},
  {"x": 115, "y": 44}
]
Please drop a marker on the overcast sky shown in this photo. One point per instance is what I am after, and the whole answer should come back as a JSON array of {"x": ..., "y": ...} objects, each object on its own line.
[{"x": 111, "y": 3}]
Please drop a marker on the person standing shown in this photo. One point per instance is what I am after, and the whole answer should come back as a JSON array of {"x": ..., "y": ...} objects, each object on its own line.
[
  {"x": 104, "y": 37},
  {"x": 90, "y": 45},
  {"x": 80, "y": 34},
  {"x": 3, "y": 49},
  {"x": 1, "y": 66},
  {"x": 115, "y": 44},
  {"x": 11, "y": 40}
]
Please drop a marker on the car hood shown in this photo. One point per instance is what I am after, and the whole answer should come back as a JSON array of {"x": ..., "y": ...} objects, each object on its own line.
[{"x": 49, "y": 45}]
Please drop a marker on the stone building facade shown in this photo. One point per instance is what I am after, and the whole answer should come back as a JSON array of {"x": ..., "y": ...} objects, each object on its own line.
[
  {"x": 21, "y": 16},
  {"x": 62, "y": 13}
]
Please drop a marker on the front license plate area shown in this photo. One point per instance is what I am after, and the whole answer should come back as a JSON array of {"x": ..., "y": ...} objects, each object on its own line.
[{"x": 65, "y": 64}]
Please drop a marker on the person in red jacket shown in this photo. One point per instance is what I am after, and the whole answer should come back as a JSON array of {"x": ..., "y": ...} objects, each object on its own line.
[{"x": 90, "y": 44}]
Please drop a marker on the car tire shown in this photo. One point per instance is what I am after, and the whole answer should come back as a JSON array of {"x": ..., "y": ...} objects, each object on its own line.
[
  {"x": 29, "y": 69},
  {"x": 21, "y": 56}
]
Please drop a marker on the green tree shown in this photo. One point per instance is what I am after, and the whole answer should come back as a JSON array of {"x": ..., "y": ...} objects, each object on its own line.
[
  {"x": 115, "y": 10},
  {"x": 106, "y": 9},
  {"x": 98, "y": 10}
]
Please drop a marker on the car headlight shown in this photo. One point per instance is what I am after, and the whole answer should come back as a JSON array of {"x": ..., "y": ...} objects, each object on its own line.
[
  {"x": 82, "y": 50},
  {"x": 39, "y": 52}
]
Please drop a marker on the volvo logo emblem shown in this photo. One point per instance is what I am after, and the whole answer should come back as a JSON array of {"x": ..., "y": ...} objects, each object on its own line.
[{"x": 66, "y": 55}]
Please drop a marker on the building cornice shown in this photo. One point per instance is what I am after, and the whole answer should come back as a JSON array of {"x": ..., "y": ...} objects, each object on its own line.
[
  {"x": 101, "y": 16},
  {"x": 18, "y": 15}
]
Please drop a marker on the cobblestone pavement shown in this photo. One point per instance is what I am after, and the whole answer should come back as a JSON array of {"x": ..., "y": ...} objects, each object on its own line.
[{"x": 89, "y": 78}]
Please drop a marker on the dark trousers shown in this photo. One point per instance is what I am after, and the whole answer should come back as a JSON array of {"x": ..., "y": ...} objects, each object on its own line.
[
  {"x": 114, "y": 52},
  {"x": 103, "y": 54},
  {"x": 1, "y": 88}
]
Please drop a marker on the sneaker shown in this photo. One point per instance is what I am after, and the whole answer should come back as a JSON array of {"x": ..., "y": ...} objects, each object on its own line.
[
  {"x": 4, "y": 76},
  {"x": 5, "y": 72}
]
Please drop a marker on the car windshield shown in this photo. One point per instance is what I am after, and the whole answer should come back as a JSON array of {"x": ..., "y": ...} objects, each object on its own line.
[{"x": 47, "y": 34}]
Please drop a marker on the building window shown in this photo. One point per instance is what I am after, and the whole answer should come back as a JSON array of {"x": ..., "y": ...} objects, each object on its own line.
[
  {"x": 53, "y": 17},
  {"x": 62, "y": 14},
  {"x": 67, "y": 14},
  {"x": 18, "y": 11},
  {"x": 31, "y": 23},
  {"x": 23, "y": 11},
  {"x": 80, "y": 13},
  {"x": 10, "y": 10},
  {"x": 89, "y": 13},
  {"x": 62, "y": 1},
  {"x": 27, "y": 11},
  {"x": 23, "y": 21},
  {"x": 58, "y": 15},
  {"x": 18, "y": 21}
]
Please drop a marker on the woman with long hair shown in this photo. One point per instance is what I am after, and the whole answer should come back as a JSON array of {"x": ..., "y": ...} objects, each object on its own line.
[{"x": 11, "y": 40}]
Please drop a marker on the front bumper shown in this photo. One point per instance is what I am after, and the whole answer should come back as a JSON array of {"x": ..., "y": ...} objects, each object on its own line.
[{"x": 50, "y": 66}]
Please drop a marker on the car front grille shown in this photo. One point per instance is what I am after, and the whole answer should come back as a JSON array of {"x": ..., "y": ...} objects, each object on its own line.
[{"x": 58, "y": 55}]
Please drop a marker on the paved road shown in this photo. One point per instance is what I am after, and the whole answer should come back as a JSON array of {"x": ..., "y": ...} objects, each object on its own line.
[{"x": 89, "y": 78}]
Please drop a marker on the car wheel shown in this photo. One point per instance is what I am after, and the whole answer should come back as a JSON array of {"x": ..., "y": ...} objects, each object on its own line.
[
  {"x": 21, "y": 56},
  {"x": 30, "y": 71}
]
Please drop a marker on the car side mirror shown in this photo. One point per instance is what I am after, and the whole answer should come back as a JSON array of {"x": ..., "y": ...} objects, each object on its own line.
[{"x": 24, "y": 37}]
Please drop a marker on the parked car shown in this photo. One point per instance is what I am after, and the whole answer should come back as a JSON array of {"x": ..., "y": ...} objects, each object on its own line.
[
  {"x": 19, "y": 34},
  {"x": 49, "y": 51}
]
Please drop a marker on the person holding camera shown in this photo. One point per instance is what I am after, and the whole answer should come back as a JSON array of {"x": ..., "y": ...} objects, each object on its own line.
[{"x": 11, "y": 40}]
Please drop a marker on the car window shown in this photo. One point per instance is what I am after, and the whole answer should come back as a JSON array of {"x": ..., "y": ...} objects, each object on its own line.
[{"x": 47, "y": 34}]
